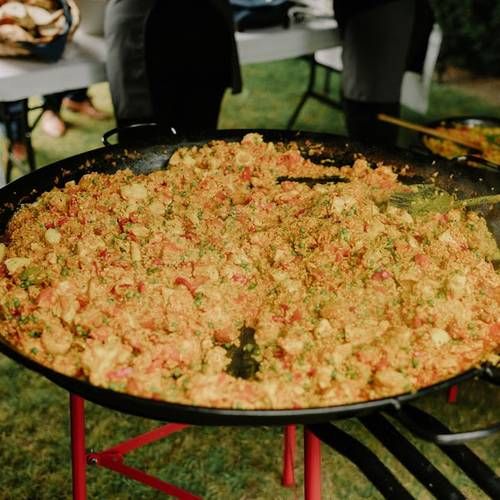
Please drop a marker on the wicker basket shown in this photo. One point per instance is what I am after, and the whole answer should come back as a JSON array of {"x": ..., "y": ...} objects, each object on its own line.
[{"x": 49, "y": 47}]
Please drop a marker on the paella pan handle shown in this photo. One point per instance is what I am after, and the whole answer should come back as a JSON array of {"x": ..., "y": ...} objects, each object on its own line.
[
  {"x": 427, "y": 427},
  {"x": 491, "y": 373},
  {"x": 129, "y": 130}
]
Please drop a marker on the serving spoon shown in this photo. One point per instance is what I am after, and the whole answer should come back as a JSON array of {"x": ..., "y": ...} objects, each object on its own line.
[{"x": 425, "y": 198}]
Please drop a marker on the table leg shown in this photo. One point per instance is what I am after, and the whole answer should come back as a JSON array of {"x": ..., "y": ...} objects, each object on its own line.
[
  {"x": 78, "y": 453},
  {"x": 288, "y": 477},
  {"x": 26, "y": 129},
  {"x": 15, "y": 115},
  {"x": 312, "y": 466}
]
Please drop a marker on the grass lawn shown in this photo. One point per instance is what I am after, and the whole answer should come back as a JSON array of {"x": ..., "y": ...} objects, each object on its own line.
[{"x": 216, "y": 462}]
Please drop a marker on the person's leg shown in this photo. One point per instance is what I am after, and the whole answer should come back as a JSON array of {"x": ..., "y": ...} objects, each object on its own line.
[
  {"x": 80, "y": 102},
  {"x": 78, "y": 95},
  {"x": 53, "y": 102},
  {"x": 51, "y": 122},
  {"x": 375, "y": 49},
  {"x": 15, "y": 130},
  {"x": 362, "y": 123}
]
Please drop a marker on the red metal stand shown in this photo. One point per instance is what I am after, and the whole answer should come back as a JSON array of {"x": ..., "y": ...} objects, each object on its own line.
[
  {"x": 312, "y": 466},
  {"x": 78, "y": 454},
  {"x": 113, "y": 458},
  {"x": 288, "y": 477},
  {"x": 453, "y": 394}
]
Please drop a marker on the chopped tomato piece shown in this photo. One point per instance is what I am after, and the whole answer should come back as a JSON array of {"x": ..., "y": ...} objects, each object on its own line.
[
  {"x": 296, "y": 316},
  {"x": 422, "y": 260},
  {"x": 381, "y": 275},
  {"x": 60, "y": 222},
  {"x": 46, "y": 297},
  {"x": 246, "y": 175},
  {"x": 495, "y": 330},
  {"x": 239, "y": 278},
  {"x": 122, "y": 221},
  {"x": 279, "y": 319},
  {"x": 185, "y": 282},
  {"x": 131, "y": 236},
  {"x": 72, "y": 206}
]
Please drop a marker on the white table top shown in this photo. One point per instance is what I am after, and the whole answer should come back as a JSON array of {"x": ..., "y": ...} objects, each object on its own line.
[
  {"x": 274, "y": 44},
  {"x": 83, "y": 62}
]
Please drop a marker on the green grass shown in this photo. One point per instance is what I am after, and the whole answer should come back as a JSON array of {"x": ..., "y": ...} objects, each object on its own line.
[{"x": 215, "y": 462}]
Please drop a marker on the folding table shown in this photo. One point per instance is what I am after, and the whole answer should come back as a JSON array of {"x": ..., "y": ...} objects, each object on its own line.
[{"x": 83, "y": 63}]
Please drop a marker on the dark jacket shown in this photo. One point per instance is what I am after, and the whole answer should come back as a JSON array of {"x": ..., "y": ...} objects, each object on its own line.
[
  {"x": 125, "y": 28},
  {"x": 345, "y": 10}
]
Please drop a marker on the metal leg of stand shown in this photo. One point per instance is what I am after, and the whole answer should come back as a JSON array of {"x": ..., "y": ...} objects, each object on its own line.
[
  {"x": 78, "y": 453},
  {"x": 453, "y": 394},
  {"x": 312, "y": 466},
  {"x": 306, "y": 95},
  {"x": 288, "y": 477},
  {"x": 15, "y": 115},
  {"x": 23, "y": 118},
  {"x": 10, "y": 164}
]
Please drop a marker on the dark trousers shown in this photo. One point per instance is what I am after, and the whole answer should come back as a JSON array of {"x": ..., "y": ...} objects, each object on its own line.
[
  {"x": 15, "y": 129},
  {"x": 381, "y": 40},
  {"x": 54, "y": 101}
]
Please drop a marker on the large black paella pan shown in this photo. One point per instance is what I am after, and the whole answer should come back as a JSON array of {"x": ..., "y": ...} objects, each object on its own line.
[{"x": 145, "y": 155}]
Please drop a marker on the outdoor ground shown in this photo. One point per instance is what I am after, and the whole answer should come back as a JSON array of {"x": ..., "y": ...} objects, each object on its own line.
[
  {"x": 485, "y": 87},
  {"x": 217, "y": 462}
]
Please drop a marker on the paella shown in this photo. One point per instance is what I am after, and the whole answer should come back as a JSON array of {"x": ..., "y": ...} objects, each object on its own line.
[{"x": 152, "y": 284}]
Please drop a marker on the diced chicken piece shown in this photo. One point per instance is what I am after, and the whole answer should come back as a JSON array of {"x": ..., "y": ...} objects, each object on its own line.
[
  {"x": 134, "y": 191},
  {"x": 157, "y": 208},
  {"x": 135, "y": 251},
  {"x": 69, "y": 308},
  {"x": 392, "y": 379},
  {"x": 291, "y": 345},
  {"x": 447, "y": 238},
  {"x": 99, "y": 359},
  {"x": 324, "y": 328},
  {"x": 58, "y": 200},
  {"x": 52, "y": 236},
  {"x": 16, "y": 264},
  {"x": 439, "y": 337},
  {"x": 139, "y": 230},
  {"x": 243, "y": 158},
  {"x": 355, "y": 333},
  {"x": 324, "y": 377},
  {"x": 3, "y": 251},
  {"x": 341, "y": 203},
  {"x": 56, "y": 338},
  {"x": 216, "y": 360},
  {"x": 457, "y": 285},
  {"x": 340, "y": 353}
]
